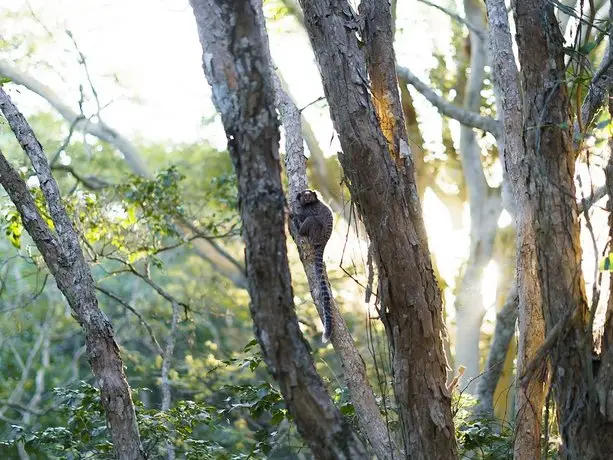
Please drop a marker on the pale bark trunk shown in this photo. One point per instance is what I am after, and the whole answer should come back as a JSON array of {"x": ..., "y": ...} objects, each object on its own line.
[
  {"x": 236, "y": 65},
  {"x": 381, "y": 179},
  {"x": 485, "y": 208},
  {"x": 63, "y": 255}
]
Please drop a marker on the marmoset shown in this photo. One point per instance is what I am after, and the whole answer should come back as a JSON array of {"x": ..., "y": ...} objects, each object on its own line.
[{"x": 314, "y": 220}]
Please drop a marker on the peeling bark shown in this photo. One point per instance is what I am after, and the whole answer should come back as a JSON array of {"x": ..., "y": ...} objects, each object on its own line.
[{"x": 236, "y": 66}]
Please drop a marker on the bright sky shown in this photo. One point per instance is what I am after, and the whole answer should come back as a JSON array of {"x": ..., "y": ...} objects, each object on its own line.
[{"x": 152, "y": 47}]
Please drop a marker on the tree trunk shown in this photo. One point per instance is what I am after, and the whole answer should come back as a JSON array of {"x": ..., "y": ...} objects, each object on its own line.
[
  {"x": 485, "y": 208},
  {"x": 63, "y": 255},
  {"x": 552, "y": 300},
  {"x": 380, "y": 176},
  {"x": 237, "y": 68}
]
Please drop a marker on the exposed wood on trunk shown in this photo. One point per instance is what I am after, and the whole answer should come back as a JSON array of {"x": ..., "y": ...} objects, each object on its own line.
[
  {"x": 63, "y": 255},
  {"x": 382, "y": 185},
  {"x": 237, "y": 68}
]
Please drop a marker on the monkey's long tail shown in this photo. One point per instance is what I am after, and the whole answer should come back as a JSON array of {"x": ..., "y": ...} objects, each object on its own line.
[{"x": 326, "y": 295}]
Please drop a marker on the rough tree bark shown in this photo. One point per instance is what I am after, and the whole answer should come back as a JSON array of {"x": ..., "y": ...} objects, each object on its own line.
[
  {"x": 237, "y": 68},
  {"x": 63, "y": 255},
  {"x": 362, "y": 396},
  {"x": 553, "y": 313},
  {"x": 370, "y": 420},
  {"x": 381, "y": 180}
]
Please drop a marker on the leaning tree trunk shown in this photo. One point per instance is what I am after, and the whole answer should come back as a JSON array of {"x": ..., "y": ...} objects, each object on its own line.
[
  {"x": 237, "y": 68},
  {"x": 379, "y": 171},
  {"x": 64, "y": 258}
]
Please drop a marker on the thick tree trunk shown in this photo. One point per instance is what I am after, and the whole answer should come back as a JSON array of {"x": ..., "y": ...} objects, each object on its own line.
[
  {"x": 381, "y": 180},
  {"x": 63, "y": 255},
  {"x": 236, "y": 65},
  {"x": 552, "y": 300}
]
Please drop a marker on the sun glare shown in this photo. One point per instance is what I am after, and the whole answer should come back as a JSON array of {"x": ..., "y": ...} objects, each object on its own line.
[
  {"x": 489, "y": 284},
  {"x": 505, "y": 219},
  {"x": 448, "y": 245}
]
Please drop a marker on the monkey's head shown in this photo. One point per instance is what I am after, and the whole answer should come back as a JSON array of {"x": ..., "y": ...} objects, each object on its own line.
[{"x": 307, "y": 197}]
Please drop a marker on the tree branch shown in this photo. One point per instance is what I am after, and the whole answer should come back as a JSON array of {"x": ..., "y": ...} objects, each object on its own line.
[
  {"x": 64, "y": 257},
  {"x": 456, "y": 17},
  {"x": 228, "y": 266},
  {"x": 505, "y": 329},
  {"x": 446, "y": 108},
  {"x": 362, "y": 396}
]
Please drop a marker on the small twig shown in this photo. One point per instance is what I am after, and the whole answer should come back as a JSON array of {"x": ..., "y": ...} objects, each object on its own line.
[
  {"x": 83, "y": 62},
  {"x": 61, "y": 148},
  {"x": 320, "y": 98},
  {"x": 455, "y": 16},
  {"x": 140, "y": 317},
  {"x": 147, "y": 279}
]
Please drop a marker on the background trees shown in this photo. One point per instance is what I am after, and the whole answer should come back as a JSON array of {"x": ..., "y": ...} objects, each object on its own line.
[{"x": 158, "y": 221}]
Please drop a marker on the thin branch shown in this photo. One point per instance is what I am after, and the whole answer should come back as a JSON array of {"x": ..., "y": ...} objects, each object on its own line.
[
  {"x": 446, "y": 108},
  {"x": 83, "y": 62},
  {"x": 166, "y": 393},
  {"x": 21, "y": 407},
  {"x": 597, "y": 94},
  {"x": 98, "y": 129},
  {"x": 147, "y": 279},
  {"x": 213, "y": 253},
  {"x": 585, "y": 204},
  {"x": 505, "y": 329},
  {"x": 456, "y": 17},
  {"x": 90, "y": 182},
  {"x": 140, "y": 317}
]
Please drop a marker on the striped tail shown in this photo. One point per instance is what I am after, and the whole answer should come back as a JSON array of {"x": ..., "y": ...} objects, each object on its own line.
[{"x": 325, "y": 294}]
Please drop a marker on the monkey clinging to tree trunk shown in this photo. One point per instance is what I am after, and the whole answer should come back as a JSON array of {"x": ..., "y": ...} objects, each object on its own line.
[{"x": 314, "y": 220}]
